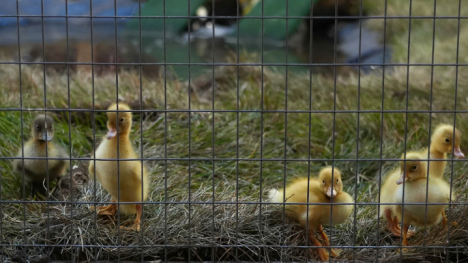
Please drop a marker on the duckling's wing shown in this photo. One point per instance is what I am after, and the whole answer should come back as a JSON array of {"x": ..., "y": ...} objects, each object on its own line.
[
  {"x": 61, "y": 152},
  {"x": 59, "y": 169},
  {"x": 18, "y": 163},
  {"x": 20, "y": 169}
]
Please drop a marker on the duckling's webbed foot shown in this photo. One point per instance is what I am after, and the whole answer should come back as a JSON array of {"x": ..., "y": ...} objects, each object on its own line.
[
  {"x": 136, "y": 225},
  {"x": 445, "y": 221},
  {"x": 405, "y": 240},
  {"x": 108, "y": 210},
  {"x": 409, "y": 233},
  {"x": 392, "y": 223},
  {"x": 326, "y": 242},
  {"x": 323, "y": 255},
  {"x": 396, "y": 231},
  {"x": 396, "y": 224},
  {"x": 398, "y": 228}
]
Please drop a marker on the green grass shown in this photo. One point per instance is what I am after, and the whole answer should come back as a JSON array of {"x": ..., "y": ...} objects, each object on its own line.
[{"x": 309, "y": 136}]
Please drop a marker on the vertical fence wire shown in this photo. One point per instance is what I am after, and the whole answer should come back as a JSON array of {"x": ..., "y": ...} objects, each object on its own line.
[
  {"x": 189, "y": 90},
  {"x": 165, "y": 131},
  {"x": 449, "y": 214},
  {"x": 408, "y": 59},
  {"x": 335, "y": 44},
  {"x": 94, "y": 127},
  {"x": 141, "y": 114},
  {"x": 262, "y": 100},
  {"x": 47, "y": 234},
  {"x": 119, "y": 194},
  {"x": 358, "y": 133},
  {"x": 70, "y": 164},
  {"x": 23, "y": 172},
  {"x": 430, "y": 125},
  {"x": 285, "y": 164},
  {"x": 309, "y": 137},
  {"x": 237, "y": 131},
  {"x": 379, "y": 187},
  {"x": 213, "y": 130}
]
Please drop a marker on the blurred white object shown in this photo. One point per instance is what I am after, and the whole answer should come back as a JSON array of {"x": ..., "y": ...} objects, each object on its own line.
[{"x": 206, "y": 32}]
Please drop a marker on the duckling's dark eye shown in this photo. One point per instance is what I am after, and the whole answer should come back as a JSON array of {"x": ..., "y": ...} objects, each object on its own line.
[
  {"x": 447, "y": 140},
  {"x": 323, "y": 181},
  {"x": 38, "y": 127},
  {"x": 337, "y": 180},
  {"x": 122, "y": 120},
  {"x": 415, "y": 167}
]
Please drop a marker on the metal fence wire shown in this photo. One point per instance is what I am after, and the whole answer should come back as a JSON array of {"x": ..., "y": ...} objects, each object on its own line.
[{"x": 222, "y": 131}]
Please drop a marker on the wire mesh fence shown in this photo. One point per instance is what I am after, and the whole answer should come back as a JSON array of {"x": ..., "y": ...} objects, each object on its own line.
[{"x": 258, "y": 131}]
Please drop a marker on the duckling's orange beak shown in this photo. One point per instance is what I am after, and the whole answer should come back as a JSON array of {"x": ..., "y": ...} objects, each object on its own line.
[
  {"x": 458, "y": 153},
  {"x": 401, "y": 179},
  {"x": 111, "y": 133},
  {"x": 331, "y": 192}
]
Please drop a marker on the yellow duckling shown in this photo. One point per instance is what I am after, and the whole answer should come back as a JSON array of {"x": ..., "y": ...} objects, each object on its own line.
[
  {"x": 414, "y": 179},
  {"x": 326, "y": 188},
  {"x": 441, "y": 144},
  {"x": 442, "y": 141},
  {"x": 36, "y": 170},
  {"x": 133, "y": 185}
]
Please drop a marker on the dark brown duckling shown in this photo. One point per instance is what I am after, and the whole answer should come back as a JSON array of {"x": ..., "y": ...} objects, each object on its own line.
[{"x": 36, "y": 170}]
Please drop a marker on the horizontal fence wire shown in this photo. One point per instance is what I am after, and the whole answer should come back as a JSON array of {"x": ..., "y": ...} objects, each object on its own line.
[
  {"x": 266, "y": 17},
  {"x": 226, "y": 203},
  {"x": 243, "y": 111},
  {"x": 230, "y": 64},
  {"x": 223, "y": 246},
  {"x": 220, "y": 159}
]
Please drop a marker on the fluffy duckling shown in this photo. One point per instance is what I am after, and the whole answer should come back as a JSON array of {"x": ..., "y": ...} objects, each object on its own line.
[
  {"x": 391, "y": 186},
  {"x": 133, "y": 184},
  {"x": 326, "y": 188},
  {"x": 414, "y": 177},
  {"x": 442, "y": 141},
  {"x": 441, "y": 144},
  {"x": 41, "y": 145}
]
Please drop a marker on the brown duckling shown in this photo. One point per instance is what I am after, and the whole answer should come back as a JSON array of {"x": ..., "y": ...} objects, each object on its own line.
[
  {"x": 41, "y": 145},
  {"x": 133, "y": 184}
]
